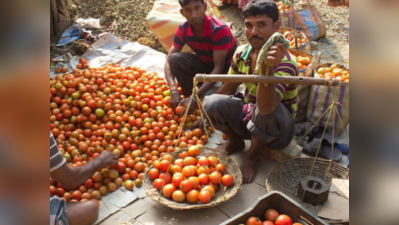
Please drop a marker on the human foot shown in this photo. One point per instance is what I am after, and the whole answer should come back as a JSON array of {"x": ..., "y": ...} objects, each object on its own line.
[
  {"x": 231, "y": 146},
  {"x": 248, "y": 170}
]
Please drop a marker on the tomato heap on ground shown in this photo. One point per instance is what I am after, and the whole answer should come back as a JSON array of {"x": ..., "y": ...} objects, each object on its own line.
[
  {"x": 272, "y": 217},
  {"x": 191, "y": 177},
  {"x": 122, "y": 110},
  {"x": 334, "y": 72}
]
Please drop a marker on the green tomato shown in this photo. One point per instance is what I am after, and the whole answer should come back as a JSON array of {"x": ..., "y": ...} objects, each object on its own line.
[
  {"x": 166, "y": 93},
  {"x": 100, "y": 113}
]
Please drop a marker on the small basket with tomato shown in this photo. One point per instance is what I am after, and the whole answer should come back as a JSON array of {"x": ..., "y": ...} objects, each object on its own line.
[
  {"x": 278, "y": 209},
  {"x": 298, "y": 39},
  {"x": 177, "y": 191},
  {"x": 305, "y": 62}
]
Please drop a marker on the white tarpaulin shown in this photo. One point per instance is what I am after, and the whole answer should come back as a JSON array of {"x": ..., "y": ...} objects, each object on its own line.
[{"x": 111, "y": 49}]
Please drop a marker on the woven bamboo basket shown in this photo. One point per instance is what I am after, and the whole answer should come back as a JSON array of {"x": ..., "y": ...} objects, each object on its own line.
[
  {"x": 285, "y": 177},
  {"x": 308, "y": 72},
  {"x": 223, "y": 194}
]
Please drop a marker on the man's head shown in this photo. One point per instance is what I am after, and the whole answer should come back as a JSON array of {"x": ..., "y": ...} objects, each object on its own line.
[
  {"x": 193, "y": 11},
  {"x": 261, "y": 21}
]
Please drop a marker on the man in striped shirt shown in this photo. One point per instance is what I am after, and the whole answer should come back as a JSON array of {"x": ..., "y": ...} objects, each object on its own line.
[
  {"x": 78, "y": 213},
  {"x": 265, "y": 114},
  {"x": 213, "y": 44}
]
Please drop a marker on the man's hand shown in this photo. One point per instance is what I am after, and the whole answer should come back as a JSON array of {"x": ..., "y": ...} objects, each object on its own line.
[
  {"x": 198, "y": 124},
  {"x": 107, "y": 158},
  {"x": 185, "y": 102},
  {"x": 175, "y": 99},
  {"x": 275, "y": 55},
  {"x": 336, "y": 3}
]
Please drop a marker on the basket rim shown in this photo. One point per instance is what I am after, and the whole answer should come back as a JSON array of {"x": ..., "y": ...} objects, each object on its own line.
[{"x": 157, "y": 197}]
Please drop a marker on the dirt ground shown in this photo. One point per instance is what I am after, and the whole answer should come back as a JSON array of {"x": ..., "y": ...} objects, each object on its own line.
[{"x": 129, "y": 18}]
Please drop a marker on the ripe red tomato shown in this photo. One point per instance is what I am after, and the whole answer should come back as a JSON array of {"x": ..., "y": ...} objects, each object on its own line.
[
  {"x": 186, "y": 186},
  {"x": 121, "y": 167},
  {"x": 179, "y": 196},
  {"x": 253, "y": 221},
  {"x": 271, "y": 214},
  {"x": 283, "y": 220},
  {"x": 193, "y": 196},
  {"x": 227, "y": 180},
  {"x": 164, "y": 165},
  {"x": 158, "y": 184},
  {"x": 215, "y": 177},
  {"x": 168, "y": 190},
  {"x": 204, "y": 197}
]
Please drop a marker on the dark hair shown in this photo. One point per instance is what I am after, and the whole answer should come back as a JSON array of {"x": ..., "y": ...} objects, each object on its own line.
[
  {"x": 186, "y": 2},
  {"x": 261, "y": 7}
]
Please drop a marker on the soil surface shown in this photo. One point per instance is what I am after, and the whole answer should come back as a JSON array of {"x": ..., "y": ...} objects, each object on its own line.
[{"x": 129, "y": 20}]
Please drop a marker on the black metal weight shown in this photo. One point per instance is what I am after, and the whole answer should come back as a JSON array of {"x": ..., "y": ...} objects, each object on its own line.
[{"x": 313, "y": 190}]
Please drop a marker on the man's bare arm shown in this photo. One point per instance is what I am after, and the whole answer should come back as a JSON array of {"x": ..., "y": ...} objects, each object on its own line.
[
  {"x": 219, "y": 58},
  {"x": 73, "y": 176},
  {"x": 228, "y": 88},
  {"x": 267, "y": 97},
  {"x": 170, "y": 78}
]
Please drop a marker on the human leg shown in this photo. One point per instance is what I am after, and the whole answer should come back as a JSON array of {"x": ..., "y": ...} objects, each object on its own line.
[
  {"x": 248, "y": 167},
  {"x": 226, "y": 114},
  {"x": 275, "y": 130},
  {"x": 82, "y": 213},
  {"x": 184, "y": 67}
]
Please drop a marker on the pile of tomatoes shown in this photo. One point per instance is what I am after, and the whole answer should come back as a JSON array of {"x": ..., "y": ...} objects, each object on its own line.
[
  {"x": 190, "y": 177},
  {"x": 335, "y": 71},
  {"x": 272, "y": 217},
  {"x": 303, "y": 62},
  {"x": 122, "y": 110}
]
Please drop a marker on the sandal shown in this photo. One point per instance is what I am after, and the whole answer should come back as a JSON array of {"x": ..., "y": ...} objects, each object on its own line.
[
  {"x": 311, "y": 145},
  {"x": 344, "y": 148},
  {"x": 316, "y": 132}
]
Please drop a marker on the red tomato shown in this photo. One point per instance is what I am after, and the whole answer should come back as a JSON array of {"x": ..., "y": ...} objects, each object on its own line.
[
  {"x": 253, "y": 221},
  {"x": 168, "y": 190},
  {"x": 283, "y": 220},
  {"x": 271, "y": 214},
  {"x": 227, "y": 180},
  {"x": 204, "y": 197},
  {"x": 153, "y": 174},
  {"x": 186, "y": 186},
  {"x": 121, "y": 167}
]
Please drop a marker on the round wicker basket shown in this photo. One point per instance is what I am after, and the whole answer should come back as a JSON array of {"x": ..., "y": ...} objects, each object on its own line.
[
  {"x": 285, "y": 177},
  {"x": 221, "y": 196}
]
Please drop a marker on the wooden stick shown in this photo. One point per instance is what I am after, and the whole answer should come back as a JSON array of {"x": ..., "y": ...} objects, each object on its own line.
[{"x": 267, "y": 79}]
